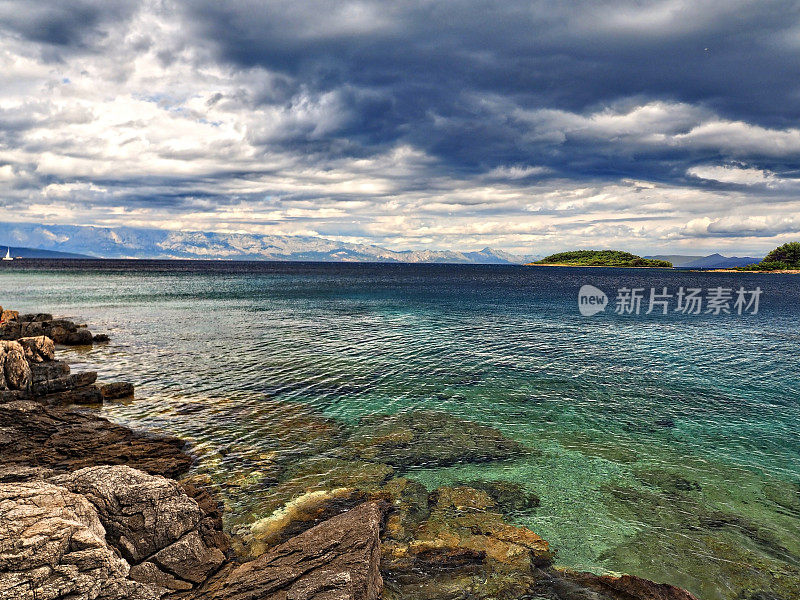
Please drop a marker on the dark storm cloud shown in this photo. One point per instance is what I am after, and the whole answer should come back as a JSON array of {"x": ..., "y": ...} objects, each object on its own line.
[
  {"x": 67, "y": 24},
  {"x": 420, "y": 71}
]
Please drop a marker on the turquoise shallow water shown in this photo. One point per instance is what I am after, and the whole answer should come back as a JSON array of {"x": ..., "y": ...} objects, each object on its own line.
[{"x": 666, "y": 446}]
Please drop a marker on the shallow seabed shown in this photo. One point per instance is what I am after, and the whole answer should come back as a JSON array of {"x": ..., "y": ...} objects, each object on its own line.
[{"x": 664, "y": 446}]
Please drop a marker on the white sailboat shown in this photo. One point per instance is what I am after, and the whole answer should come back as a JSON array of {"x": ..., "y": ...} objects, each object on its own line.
[{"x": 8, "y": 255}]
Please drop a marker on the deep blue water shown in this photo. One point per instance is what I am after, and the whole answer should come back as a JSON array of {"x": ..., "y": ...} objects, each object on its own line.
[{"x": 650, "y": 430}]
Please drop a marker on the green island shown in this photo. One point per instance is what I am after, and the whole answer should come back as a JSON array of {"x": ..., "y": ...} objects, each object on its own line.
[
  {"x": 600, "y": 258},
  {"x": 782, "y": 258}
]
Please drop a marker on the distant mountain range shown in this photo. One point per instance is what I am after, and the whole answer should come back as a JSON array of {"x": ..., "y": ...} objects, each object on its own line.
[
  {"x": 31, "y": 240},
  {"x": 129, "y": 242},
  {"x": 17, "y": 252},
  {"x": 713, "y": 261}
]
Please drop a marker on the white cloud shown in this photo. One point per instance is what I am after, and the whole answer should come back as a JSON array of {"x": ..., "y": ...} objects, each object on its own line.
[{"x": 735, "y": 174}]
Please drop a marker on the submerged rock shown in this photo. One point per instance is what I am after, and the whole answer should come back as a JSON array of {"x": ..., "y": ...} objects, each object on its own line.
[
  {"x": 510, "y": 496},
  {"x": 312, "y": 490},
  {"x": 462, "y": 546},
  {"x": 427, "y": 439},
  {"x": 587, "y": 586}
]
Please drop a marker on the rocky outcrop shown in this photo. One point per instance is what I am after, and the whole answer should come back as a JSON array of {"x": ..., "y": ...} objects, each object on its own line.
[
  {"x": 104, "y": 532},
  {"x": 34, "y": 436},
  {"x": 152, "y": 522},
  {"x": 8, "y": 315},
  {"x": 38, "y": 349},
  {"x": 335, "y": 560},
  {"x": 62, "y": 331},
  {"x": 52, "y": 545},
  {"x": 28, "y": 370}
]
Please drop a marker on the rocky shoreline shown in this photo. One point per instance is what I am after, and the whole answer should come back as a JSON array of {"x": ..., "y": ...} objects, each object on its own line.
[{"x": 93, "y": 510}]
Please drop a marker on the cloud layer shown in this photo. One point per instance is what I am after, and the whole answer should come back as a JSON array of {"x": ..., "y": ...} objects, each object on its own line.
[{"x": 529, "y": 126}]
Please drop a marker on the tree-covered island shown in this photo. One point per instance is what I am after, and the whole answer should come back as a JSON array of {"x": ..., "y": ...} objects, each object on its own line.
[
  {"x": 601, "y": 258},
  {"x": 783, "y": 258}
]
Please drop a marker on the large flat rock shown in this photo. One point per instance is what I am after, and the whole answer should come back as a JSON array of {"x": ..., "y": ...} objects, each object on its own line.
[
  {"x": 63, "y": 440},
  {"x": 335, "y": 560}
]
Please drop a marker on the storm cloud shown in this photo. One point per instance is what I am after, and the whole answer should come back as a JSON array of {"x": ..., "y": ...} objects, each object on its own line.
[{"x": 529, "y": 126}]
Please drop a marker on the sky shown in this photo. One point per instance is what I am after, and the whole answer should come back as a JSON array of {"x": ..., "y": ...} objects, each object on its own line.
[{"x": 669, "y": 126}]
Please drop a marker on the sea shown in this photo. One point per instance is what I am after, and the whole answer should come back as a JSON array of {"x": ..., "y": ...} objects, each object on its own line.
[{"x": 662, "y": 445}]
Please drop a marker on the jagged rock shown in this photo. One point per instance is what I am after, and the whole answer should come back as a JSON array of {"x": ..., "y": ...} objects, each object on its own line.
[
  {"x": 13, "y": 395},
  {"x": 16, "y": 473},
  {"x": 36, "y": 317},
  {"x": 427, "y": 439},
  {"x": 101, "y": 338},
  {"x": 61, "y": 331},
  {"x": 114, "y": 391},
  {"x": 63, "y": 383},
  {"x": 79, "y": 337},
  {"x": 189, "y": 558},
  {"x": 142, "y": 513},
  {"x": 8, "y": 315},
  {"x": 149, "y": 519},
  {"x": 52, "y": 545},
  {"x": 27, "y": 365},
  {"x": 47, "y": 371},
  {"x": 211, "y": 527},
  {"x": 298, "y": 515},
  {"x": 336, "y": 560},
  {"x": 89, "y": 394},
  {"x": 128, "y": 589},
  {"x": 62, "y": 439},
  {"x": 15, "y": 373},
  {"x": 148, "y": 572},
  {"x": 38, "y": 349}
]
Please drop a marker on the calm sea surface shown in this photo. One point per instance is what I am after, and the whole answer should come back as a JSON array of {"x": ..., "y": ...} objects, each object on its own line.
[{"x": 665, "y": 446}]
